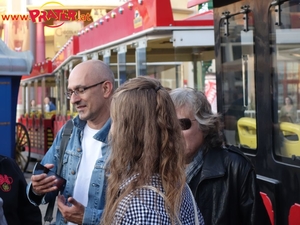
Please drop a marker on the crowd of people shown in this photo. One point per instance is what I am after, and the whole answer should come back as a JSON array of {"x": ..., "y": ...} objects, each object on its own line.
[{"x": 144, "y": 154}]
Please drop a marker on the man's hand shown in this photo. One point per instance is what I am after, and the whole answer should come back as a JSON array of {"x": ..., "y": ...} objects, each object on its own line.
[
  {"x": 72, "y": 210},
  {"x": 41, "y": 184}
]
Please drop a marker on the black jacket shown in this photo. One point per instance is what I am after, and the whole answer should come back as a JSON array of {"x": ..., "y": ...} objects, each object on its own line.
[
  {"x": 226, "y": 190},
  {"x": 17, "y": 208}
]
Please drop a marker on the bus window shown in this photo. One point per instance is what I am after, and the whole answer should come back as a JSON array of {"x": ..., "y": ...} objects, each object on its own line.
[
  {"x": 285, "y": 45},
  {"x": 237, "y": 46}
]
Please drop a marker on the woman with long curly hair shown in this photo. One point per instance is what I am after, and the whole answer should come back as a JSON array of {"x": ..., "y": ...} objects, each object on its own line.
[{"x": 146, "y": 177}]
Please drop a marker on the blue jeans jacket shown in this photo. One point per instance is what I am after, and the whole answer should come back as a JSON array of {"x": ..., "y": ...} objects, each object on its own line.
[{"x": 71, "y": 161}]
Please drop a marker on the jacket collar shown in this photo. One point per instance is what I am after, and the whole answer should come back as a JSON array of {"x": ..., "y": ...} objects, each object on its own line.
[
  {"x": 195, "y": 166},
  {"x": 101, "y": 135},
  {"x": 213, "y": 164}
]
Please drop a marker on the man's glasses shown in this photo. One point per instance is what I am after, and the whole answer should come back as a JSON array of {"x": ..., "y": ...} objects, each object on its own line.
[
  {"x": 81, "y": 90},
  {"x": 185, "y": 123}
]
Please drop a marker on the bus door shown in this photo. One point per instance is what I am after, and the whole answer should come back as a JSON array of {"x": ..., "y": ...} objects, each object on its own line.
[{"x": 237, "y": 79}]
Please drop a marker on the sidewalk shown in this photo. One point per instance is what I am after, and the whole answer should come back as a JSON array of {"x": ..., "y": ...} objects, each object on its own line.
[{"x": 42, "y": 207}]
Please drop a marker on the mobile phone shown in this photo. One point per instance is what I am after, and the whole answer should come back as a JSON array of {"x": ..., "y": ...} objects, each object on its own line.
[{"x": 39, "y": 169}]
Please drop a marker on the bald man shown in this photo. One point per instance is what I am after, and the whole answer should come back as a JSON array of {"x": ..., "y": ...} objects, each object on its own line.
[{"x": 90, "y": 88}]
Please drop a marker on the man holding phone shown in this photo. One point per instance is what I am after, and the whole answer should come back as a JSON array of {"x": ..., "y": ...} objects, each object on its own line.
[
  {"x": 90, "y": 88},
  {"x": 40, "y": 169}
]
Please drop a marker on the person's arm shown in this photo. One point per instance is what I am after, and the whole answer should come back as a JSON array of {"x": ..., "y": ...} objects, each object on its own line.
[
  {"x": 29, "y": 214},
  {"x": 33, "y": 198},
  {"x": 91, "y": 216},
  {"x": 294, "y": 114},
  {"x": 252, "y": 209},
  {"x": 75, "y": 212},
  {"x": 2, "y": 217},
  {"x": 41, "y": 198},
  {"x": 282, "y": 112}
]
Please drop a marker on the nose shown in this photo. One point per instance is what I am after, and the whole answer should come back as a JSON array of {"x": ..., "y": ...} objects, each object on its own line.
[{"x": 74, "y": 98}]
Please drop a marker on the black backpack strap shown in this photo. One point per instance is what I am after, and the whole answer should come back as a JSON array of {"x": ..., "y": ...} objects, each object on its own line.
[
  {"x": 63, "y": 145},
  {"x": 49, "y": 212}
]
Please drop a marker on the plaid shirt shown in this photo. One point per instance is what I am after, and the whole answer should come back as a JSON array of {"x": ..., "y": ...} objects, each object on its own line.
[{"x": 147, "y": 207}]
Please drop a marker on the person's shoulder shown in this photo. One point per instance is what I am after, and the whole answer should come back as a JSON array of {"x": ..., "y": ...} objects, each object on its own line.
[
  {"x": 8, "y": 165},
  {"x": 2, "y": 157},
  {"x": 78, "y": 123},
  {"x": 235, "y": 154},
  {"x": 7, "y": 160},
  {"x": 69, "y": 125}
]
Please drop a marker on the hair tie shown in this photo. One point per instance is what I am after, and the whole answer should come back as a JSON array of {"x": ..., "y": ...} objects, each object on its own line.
[{"x": 157, "y": 88}]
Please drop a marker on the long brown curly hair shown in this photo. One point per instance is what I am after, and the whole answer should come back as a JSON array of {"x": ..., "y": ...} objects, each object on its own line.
[{"x": 146, "y": 139}]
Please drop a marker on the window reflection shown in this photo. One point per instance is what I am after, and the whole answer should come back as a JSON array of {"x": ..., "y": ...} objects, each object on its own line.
[
  {"x": 238, "y": 83},
  {"x": 285, "y": 45}
]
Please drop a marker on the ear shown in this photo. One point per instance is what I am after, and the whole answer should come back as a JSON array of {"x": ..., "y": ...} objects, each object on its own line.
[{"x": 107, "y": 89}]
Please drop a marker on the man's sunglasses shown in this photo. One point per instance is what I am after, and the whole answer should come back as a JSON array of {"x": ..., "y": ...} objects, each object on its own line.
[{"x": 185, "y": 123}]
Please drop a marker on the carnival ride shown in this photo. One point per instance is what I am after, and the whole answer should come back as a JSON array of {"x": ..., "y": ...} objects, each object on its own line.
[
  {"x": 137, "y": 38},
  {"x": 255, "y": 45}
]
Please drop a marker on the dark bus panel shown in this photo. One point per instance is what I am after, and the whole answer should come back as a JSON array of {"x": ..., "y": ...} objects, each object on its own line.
[{"x": 258, "y": 76}]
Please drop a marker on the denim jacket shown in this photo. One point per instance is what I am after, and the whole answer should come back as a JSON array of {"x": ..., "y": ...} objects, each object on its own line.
[{"x": 71, "y": 161}]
